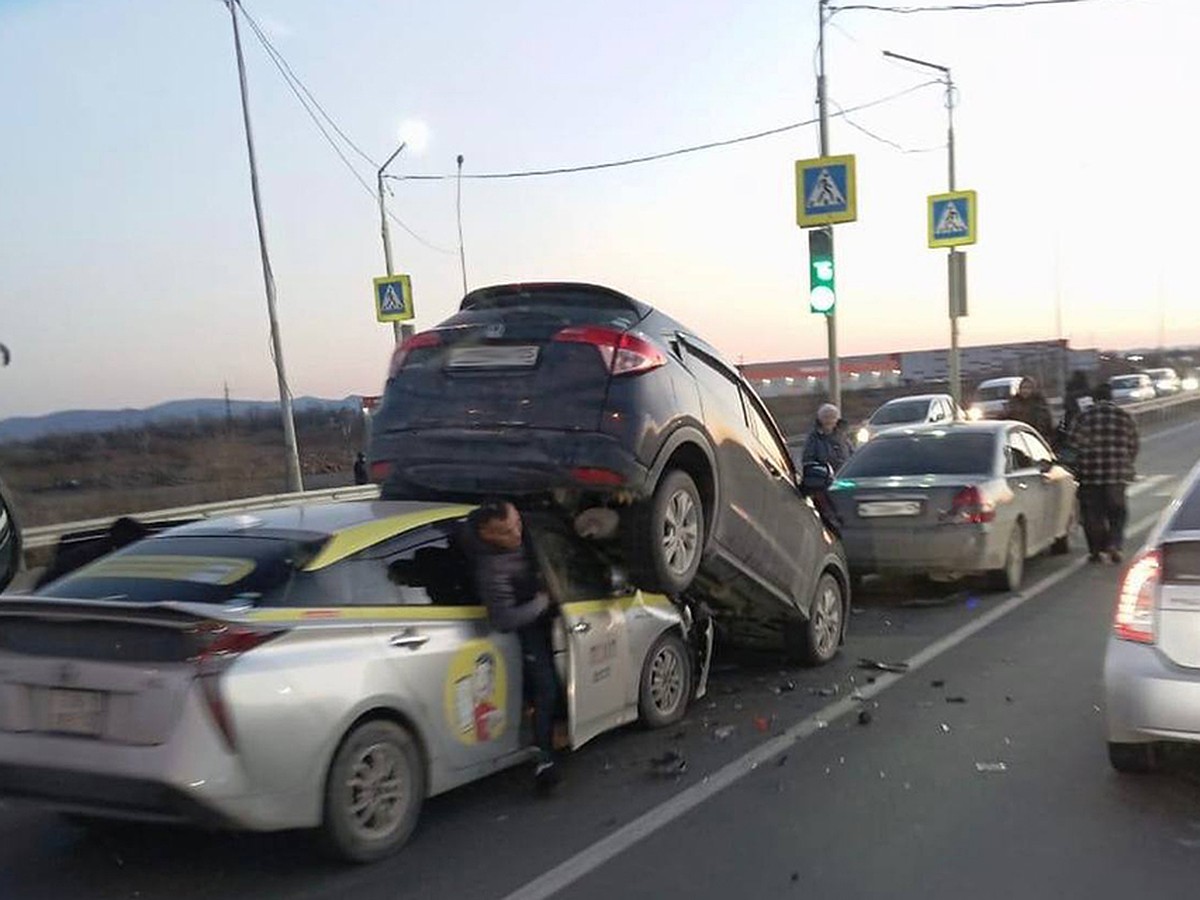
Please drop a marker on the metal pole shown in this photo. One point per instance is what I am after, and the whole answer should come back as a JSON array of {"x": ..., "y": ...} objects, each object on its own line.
[
  {"x": 294, "y": 480},
  {"x": 835, "y": 374},
  {"x": 400, "y": 332},
  {"x": 954, "y": 373}
]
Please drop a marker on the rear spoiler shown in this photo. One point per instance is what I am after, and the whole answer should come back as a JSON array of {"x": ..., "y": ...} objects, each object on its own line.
[{"x": 567, "y": 293}]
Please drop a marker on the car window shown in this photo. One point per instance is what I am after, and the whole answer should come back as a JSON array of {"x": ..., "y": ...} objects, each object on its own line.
[
  {"x": 436, "y": 572},
  {"x": 765, "y": 435},
  {"x": 720, "y": 392},
  {"x": 899, "y": 412},
  {"x": 994, "y": 392},
  {"x": 1037, "y": 448},
  {"x": 934, "y": 452},
  {"x": 1016, "y": 453},
  {"x": 581, "y": 573}
]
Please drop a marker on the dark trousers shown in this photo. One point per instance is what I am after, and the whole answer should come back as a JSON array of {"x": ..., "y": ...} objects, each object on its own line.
[
  {"x": 541, "y": 682},
  {"x": 1104, "y": 515}
]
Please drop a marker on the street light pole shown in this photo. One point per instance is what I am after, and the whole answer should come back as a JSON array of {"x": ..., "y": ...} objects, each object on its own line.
[
  {"x": 835, "y": 374},
  {"x": 953, "y": 305},
  {"x": 400, "y": 332},
  {"x": 294, "y": 480}
]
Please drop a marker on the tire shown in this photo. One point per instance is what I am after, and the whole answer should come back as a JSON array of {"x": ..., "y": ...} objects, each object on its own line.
[
  {"x": 816, "y": 641},
  {"x": 665, "y": 687},
  {"x": 1131, "y": 759},
  {"x": 1009, "y": 578},
  {"x": 375, "y": 753},
  {"x": 664, "y": 539}
]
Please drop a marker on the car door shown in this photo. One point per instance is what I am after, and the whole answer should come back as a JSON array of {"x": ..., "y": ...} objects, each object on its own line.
[
  {"x": 1059, "y": 484},
  {"x": 789, "y": 531},
  {"x": 1029, "y": 489},
  {"x": 438, "y": 646},
  {"x": 597, "y": 634}
]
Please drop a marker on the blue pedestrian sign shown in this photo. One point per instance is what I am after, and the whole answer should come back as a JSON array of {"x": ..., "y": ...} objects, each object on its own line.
[
  {"x": 826, "y": 192},
  {"x": 952, "y": 219},
  {"x": 393, "y": 298}
]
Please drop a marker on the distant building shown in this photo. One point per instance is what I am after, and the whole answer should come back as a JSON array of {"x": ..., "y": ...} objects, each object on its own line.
[{"x": 1048, "y": 361}]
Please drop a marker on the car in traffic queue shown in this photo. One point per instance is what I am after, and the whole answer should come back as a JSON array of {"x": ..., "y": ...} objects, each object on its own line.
[
  {"x": 1152, "y": 660},
  {"x": 314, "y": 667},
  {"x": 1165, "y": 381},
  {"x": 1132, "y": 388},
  {"x": 621, "y": 417},
  {"x": 921, "y": 409},
  {"x": 992, "y": 396},
  {"x": 956, "y": 499}
]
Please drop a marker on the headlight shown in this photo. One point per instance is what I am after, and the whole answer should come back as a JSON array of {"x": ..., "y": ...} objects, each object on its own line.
[
  {"x": 1190, "y": 384},
  {"x": 863, "y": 435},
  {"x": 974, "y": 413}
]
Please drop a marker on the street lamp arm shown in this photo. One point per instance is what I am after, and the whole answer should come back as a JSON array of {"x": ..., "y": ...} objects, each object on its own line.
[{"x": 918, "y": 62}]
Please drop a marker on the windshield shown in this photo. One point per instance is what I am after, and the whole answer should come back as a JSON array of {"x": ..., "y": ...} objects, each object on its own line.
[
  {"x": 901, "y": 411},
  {"x": 927, "y": 453},
  {"x": 1128, "y": 381},
  {"x": 994, "y": 392}
]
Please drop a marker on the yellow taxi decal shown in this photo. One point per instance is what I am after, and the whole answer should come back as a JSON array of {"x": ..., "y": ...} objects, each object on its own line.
[
  {"x": 360, "y": 613},
  {"x": 591, "y": 607},
  {"x": 475, "y": 694},
  {"x": 220, "y": 570},
  {"x": 351, "y": 540}
]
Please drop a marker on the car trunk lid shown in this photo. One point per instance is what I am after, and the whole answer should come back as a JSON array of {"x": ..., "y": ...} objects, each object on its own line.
[
  {"x": 905, "y": 501},
  {"x": 1179, "y": 602}
]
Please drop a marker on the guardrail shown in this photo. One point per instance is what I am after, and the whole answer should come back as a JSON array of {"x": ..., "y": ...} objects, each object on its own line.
[
  {"x": 49, "y": 535},
  {"x": 1147, "y": 412}
]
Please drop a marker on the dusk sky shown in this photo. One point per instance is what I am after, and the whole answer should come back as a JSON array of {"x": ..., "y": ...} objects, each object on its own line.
[{"x": 129, "y": 269}]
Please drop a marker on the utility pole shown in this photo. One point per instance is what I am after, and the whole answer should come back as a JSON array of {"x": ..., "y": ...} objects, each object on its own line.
[
  {"x": 295, "y": 482},
  {"x": 956, "y": 263},
  {"x": 400, "y": 331},
  {"x": 835, "y": 374}
]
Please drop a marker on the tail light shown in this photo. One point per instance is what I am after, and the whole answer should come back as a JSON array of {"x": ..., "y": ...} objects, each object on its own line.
[
  {"x": 597, "y": 477},
  {"x": 623, "y": 353},
  {"x": 421, "y": 341},
  {"x": 380, "y": 470},
  {"x": 1134, "y": 620},
  {"x": 219, "y": 646},
  {"x": 970, "y": 507}
]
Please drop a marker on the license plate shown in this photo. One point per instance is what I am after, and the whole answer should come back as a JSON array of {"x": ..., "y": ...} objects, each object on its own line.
[
  {"x": 488, "y": 357},
  {"x": 879, "y": 508},
  {"x": 76, "y": 712}
]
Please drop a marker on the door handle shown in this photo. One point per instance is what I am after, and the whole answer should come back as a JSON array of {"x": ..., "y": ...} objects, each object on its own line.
[
  {"x": 409, "y": 639},
  {"x": 581, "y": 627}
]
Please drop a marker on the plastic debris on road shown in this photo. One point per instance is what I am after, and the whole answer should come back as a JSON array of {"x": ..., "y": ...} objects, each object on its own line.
[
  {"x": 785, "y": 687},
  {"x": 864, "y": 717},
  {"x": 724, "y": 732},
  {"x": 991, "y": 767},
  {"x": 956, "y": 699},
  {"x": 669, "y": 765},
  {"x": 945, "y": 729},
  {"x": 972, "y": 602},
  {"x": 898, "y": 667},
  {"x": 825, "y": 691},
  {"x": 762, "y": 724},
  {"x": 938, "y": 683}
]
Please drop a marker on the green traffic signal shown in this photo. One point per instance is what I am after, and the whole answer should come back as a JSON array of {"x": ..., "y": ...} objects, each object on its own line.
[{"x": 822, "y": 296}]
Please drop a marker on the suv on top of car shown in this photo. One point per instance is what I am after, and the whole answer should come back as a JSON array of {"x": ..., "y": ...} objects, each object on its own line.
[{"x": 586, "y": 397}]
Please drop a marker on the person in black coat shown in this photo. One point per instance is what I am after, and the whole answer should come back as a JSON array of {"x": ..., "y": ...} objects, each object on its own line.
[{"x": 825, "y": 451}]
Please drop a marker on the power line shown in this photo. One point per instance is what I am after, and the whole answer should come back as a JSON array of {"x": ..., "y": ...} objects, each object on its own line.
[
  {"x": 954, "y": 7},
  {"x": 880, "y": 138},
  {"x": 296, "y": 86},
  {"x": 653, "y": 157}
]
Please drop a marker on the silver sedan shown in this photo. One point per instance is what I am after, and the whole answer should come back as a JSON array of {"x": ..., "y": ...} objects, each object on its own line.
[
  {"x": 1152, "y": 665},
  {"x": 954, "y": 499},
  {"x": 314, "y": 667}
]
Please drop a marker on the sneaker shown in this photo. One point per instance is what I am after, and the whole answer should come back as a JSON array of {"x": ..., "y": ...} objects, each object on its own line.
[{"x": 546, "y": 777}]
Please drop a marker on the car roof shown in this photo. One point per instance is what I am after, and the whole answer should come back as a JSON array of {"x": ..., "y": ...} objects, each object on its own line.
[
  {"x": 606, "y": 296},
  {"x": 1007, "y": 379},
  {"x": 984, "y": 426},
  {"x": 916, "y": 397}
]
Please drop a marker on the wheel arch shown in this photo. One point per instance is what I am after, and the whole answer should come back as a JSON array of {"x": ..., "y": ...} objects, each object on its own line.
[{"x": 688, "y": 450}]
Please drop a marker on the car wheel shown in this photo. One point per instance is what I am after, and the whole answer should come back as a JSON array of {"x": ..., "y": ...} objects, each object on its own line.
[
  {"x": 816, "y": 641},
  {"x": 666, "y": 682},
  {"x": 666, "y": 537},
  {"x": 1131, "y": 759},
  {"x": 374, "y": 792},
  {"x": 1010, "y": 577}
]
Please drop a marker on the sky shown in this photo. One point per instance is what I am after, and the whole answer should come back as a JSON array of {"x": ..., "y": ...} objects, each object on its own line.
[{"x": 129, "y": 265}]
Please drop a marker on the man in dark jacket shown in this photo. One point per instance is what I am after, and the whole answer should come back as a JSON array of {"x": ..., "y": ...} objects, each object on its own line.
[
  {"x": 1076, "y": 399},
  {"x": 1030, "y": 406},
  {"x": 508, "y": 580},
  {"x": 1106, "y": 440}
]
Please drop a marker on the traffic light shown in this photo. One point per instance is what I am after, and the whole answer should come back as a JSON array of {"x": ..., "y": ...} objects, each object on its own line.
[{"x": 822, "y": 297}]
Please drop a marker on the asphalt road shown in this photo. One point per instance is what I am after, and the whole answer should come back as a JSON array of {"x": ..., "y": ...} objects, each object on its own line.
[{"x": 799, "y": 799}]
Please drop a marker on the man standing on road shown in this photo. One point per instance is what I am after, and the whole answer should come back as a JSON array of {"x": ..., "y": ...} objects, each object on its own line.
[
  {"x": 1106, "y": 440},
  {"x": 507, "y": 578}
]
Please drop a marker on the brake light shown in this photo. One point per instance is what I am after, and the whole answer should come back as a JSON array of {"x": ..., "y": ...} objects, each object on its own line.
[
  {"x": 599, "y": 477},
  {"x": 1134, "y": 620},
  {"x": 380, "y": 470},
  {"x": 420, "y": 341},
  {"x": 970, "y": 507},
  {"x": 623, "y": 353},
  {"x": 220, "y": 646}
]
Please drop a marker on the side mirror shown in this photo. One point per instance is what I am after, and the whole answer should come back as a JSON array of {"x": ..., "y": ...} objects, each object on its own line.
[{"x": 10, "y": 541}]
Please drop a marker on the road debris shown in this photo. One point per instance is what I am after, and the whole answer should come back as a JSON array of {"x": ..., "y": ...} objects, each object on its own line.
[
  {"x": 762, "y": 724},
  {"x": 785, "y": 687},
  {"x": 945, "y": 729},
  {"x": 782, "y": 760},
  {"x": 864, "y": 717},
  {"x": 938, "y": 683},
  {"x": 898, "y": 667},
  {"x": 724, "y": 732},
  {"x": 670, "y": 765},
  {"x": 824, "y": 692},
  {"x": 956, "y": 699},
  {"x": 991, "y": 767}
]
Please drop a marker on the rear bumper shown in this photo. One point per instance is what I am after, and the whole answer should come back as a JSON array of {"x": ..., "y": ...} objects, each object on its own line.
[
  {"x": 930, "y": 549},
  {"x": 466, "y": 463},
  {"x": 1147, "y": 697}
]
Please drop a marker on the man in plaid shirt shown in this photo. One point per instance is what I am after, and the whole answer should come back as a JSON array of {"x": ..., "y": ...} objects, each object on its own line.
[{"x": 1105, "y": 438}]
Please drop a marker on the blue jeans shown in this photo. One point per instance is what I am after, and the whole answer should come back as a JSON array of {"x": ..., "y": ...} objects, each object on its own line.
[{"x": 541, "y": 682}]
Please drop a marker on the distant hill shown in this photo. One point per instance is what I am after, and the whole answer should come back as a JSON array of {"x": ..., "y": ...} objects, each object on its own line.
[{"x": 29, "y": 428}]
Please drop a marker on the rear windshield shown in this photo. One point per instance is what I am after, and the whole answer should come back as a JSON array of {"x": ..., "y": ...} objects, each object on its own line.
[
  {"x": 554, "y": 312},
  {"x": 227, "y": 569},
  {"x": 900, "y": 412},
  {"x": 928, "y": 453},
  {"x": 994, "y": 392}
]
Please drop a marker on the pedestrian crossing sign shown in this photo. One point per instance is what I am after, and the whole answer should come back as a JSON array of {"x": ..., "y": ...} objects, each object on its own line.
[
  {"x": 826, "y": 192},
  {"x": 952, "y": 219},
  {"x": 393, "y": 298}
]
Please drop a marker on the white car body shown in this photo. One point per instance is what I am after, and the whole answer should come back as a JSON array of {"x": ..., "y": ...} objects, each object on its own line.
[
  {"x": 908, "y": 412},
  {"x": 992, "y": 396},
  {"x": 1132, "y": 388}
]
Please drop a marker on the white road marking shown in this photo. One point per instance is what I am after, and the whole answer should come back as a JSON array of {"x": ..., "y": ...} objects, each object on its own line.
[
  {"x": 599, "y": 853},
  {"x": 1168, "y": 432}
]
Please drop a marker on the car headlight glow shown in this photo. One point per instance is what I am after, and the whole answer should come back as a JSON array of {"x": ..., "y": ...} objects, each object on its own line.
[
  {"x": 863, "y": 435},
  {"x": 974, "y": 413}
]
